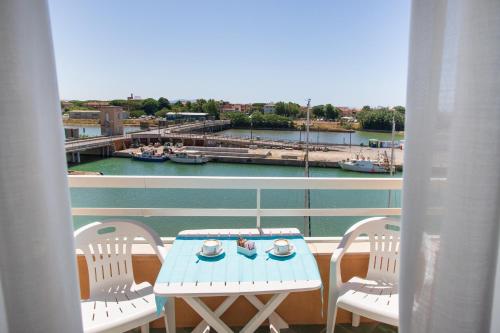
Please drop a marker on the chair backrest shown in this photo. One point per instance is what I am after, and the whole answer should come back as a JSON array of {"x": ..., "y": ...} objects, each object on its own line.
[
  {"x": 107, "y": 247},
  {"x": 384, "y": 237}
]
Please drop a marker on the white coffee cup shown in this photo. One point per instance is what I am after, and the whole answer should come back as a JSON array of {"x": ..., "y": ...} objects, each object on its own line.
[
  {"x": 281, "y": 246},
  {"x": 211, "y": 247}
]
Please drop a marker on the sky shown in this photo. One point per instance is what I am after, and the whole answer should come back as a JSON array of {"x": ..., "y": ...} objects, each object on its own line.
[{"x": 344, "y": 52}]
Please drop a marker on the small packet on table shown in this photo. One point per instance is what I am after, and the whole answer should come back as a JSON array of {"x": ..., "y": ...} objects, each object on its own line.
[{"x": 246, "y": 247}]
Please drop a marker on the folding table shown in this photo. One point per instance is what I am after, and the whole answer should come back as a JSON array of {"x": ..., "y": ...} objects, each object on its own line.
[{"x": 186, "y": 275}]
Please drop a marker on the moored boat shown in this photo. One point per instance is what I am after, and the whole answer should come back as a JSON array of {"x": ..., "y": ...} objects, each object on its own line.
[
  {"x": 149, "y": 156},
  {"x": 188, "y": 158},
  {"x": 362, "y": 164}
]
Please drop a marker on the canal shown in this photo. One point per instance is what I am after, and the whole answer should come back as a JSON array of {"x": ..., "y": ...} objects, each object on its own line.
[
  {"x": 357, "y": 137},
  {"x": 204, "y": 198}
]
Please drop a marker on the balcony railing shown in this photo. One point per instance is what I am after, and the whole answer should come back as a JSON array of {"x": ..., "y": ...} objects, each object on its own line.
[{"x": 257, "y": 184}]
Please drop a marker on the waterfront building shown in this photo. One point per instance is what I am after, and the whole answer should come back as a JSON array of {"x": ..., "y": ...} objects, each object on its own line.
[
  {"x": 72, "y": 133},
  {"x": 229, "y": 107},
  {"x": 133, "y": 97},
  {"x": 84, "y": 114},
  {"x": 186, "y": 116},
  {"x": 96, "y": 104},
  {"x": 111, "y": 119},
  {"x": 346, "y": 111},
  {"x": 269, "y": 108}
]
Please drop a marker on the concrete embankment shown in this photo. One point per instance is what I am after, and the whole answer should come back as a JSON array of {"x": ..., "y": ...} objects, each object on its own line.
[{"x": 287, "y": 157}]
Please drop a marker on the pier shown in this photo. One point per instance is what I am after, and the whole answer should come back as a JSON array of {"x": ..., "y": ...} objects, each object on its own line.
[{"x": 265, "y": 156}]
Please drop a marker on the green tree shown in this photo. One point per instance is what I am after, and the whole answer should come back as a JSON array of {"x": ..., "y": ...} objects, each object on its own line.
[
  {"x": 162, "y": 113},
  {"x": 331, "y": 112},
  {"x": 400, "y": 109},
  {"x": 366, "y": 108},
  {"x": 381, "y": 119},
  {"x": 163, "y": 103},
  {"x": 119, "y": 102},
  {"x": 318, "y": 111},
  {"x": 289, "y": 109},
  {"x": 238, "y": 119},
  {"x": 280, "y": 108},
  {"x": 136, "y": 113},
  {"x": 150, "y": 106},
  {"x": 212, "y": 108}
]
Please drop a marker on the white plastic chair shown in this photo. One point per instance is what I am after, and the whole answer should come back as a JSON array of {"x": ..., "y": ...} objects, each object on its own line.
[
  {"x": 376, "y": 296},
  {"x": 116, "y": 302}
]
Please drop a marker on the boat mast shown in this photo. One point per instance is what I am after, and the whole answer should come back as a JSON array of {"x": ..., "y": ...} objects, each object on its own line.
[
  {"x": 392, "y": 141},
  {"x": 307, "y": 199}
]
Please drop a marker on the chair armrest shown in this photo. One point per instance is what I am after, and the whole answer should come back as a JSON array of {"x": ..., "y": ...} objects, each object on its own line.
[
  {"x": 162, "y": 253},
  {"x": 335, "y": 277}
]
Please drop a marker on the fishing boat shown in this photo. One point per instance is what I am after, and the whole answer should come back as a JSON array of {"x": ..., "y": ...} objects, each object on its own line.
[
  {"x": 149, "y": 156},
  {"x": 362, "y": 164},
  {"x": 381, "y": 164},
  {"x": 188, "y": 158}
]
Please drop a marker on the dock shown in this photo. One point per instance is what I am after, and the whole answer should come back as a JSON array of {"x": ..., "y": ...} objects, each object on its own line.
[{"x": 286, "y": 157}]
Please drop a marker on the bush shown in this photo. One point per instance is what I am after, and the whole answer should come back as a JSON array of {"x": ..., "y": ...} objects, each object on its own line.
[
  {"x": 162, "y": 113},
  {"x": 259, "y": 120},
  {"x": 137, "y": 113},
  {"x": 150, "y": 105},
  {"x": 381, "y": 119}
]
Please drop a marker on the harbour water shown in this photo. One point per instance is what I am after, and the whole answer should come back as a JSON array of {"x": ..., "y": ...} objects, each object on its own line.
[
  {"x": 206, "y": 198},
  {"x": 356, "y": 138}
]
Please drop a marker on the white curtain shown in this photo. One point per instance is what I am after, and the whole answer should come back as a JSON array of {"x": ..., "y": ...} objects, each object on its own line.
[
  {"x": 38, "y": 282},
  {"x": 451, "y": 196}
]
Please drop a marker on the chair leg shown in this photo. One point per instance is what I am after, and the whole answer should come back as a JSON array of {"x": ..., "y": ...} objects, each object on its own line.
[
  {"x": 355, "y": 320},
  {"x": 330, "y": 326},
  {"x": 145, "y": 328}
]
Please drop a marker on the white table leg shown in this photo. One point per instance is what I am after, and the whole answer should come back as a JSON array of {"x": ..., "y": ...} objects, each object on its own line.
[
  {"x": 170, "y": 315},
  {"x": 264, "y": 313},
  {"x": 207, "y": 314},
  {"x": 275, "y": 321},
  {"x": 203, "y": 327}
]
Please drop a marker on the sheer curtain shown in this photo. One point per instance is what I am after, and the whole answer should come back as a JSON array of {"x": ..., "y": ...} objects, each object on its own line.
[
  {"x": 451, "y": 196},
  {"x": 38, "y": 282}
]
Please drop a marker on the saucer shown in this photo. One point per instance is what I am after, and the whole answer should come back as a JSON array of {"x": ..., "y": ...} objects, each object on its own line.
[
  {"x": 283, "y": 255},
  {"x": 215, "y": 255}
]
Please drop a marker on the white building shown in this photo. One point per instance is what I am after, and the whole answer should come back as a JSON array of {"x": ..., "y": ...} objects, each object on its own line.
[{"x": 269, "y": 108}]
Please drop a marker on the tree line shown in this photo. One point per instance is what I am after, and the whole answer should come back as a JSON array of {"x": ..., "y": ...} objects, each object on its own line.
[
  {"x": 162, "y": 106},
  {"x": 259, "y": 120},
  {"x": 380, "y": 118}
]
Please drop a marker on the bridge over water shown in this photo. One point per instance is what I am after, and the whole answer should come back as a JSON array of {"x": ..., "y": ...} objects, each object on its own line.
[{"x": 105, "y": 145}]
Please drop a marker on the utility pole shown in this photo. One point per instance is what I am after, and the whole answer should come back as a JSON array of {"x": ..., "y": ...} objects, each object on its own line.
[
  {"x": 391, "y": 166},
  {"x": 307, "y": 199}
]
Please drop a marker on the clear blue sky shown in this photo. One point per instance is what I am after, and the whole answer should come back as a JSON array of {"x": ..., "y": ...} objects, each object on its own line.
[{"x": 345, "y": 52}]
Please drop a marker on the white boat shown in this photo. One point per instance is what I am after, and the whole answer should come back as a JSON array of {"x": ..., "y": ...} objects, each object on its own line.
[
  {"x": 188, "y": 158},
  {"x": 361, "y": 164}
]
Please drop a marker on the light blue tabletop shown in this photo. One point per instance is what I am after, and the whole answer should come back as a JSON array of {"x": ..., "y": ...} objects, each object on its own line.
[{"x": 183, "y": 266}]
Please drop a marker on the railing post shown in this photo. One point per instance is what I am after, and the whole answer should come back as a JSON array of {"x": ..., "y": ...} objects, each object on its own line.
[{"x": 258, "y": 208}]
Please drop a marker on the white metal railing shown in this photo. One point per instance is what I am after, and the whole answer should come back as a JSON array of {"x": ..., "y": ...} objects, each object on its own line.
[{"x": 252, "y": 183}]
